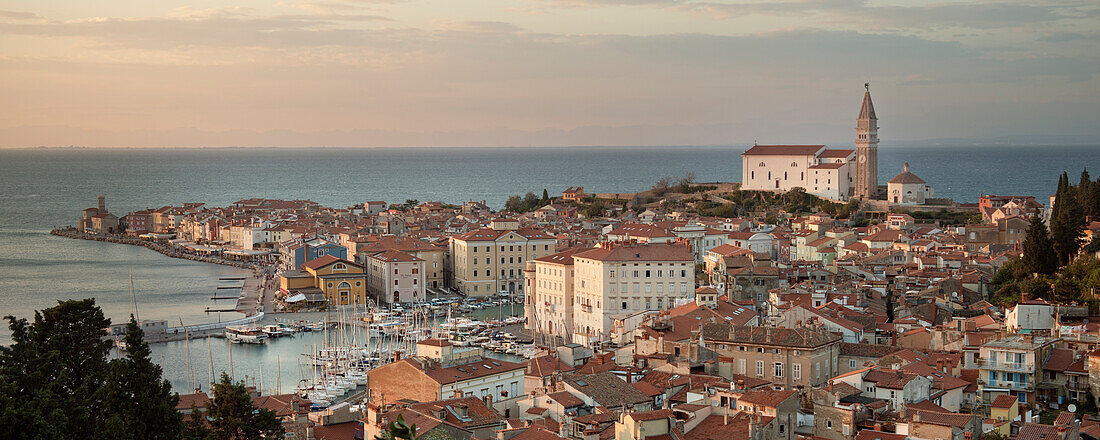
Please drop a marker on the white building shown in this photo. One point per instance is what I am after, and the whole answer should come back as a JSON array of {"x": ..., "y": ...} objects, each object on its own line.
[
  {"x": 907, "y": 189},
  {"x": 396, "y": 276},
  {"x": 1029, "y": 314},
  {"x": 617, "y": 278},
  {"x": 836, "y": 174},
  {"x": 820, "y": 171},
  {"x": 548, "y": 305}
]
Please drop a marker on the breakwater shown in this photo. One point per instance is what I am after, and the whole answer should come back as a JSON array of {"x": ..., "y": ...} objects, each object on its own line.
[{"x": 165, "y": 248}]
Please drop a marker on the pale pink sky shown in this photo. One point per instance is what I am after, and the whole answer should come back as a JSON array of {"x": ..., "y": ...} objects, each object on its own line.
[{"x": 540, "y": 72}]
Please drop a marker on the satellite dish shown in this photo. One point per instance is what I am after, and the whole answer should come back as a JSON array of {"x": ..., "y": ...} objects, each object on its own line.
[{"x": 1072, "y": 408}]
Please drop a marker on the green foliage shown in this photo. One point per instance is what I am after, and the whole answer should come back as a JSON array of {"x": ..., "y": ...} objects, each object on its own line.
[
  {"x": 945, "y": 217},
  {"x": 195, "y": 426},
  {"x": 1039, "y": 256},
  {"x": 56, "y": 381},
  {"x": 1067, "y": 221},
  {"x": 232, "y": 415},
  {"x": 398, "y": 429},
  {"x": 143, "y": 402},
  {"x": 53, "y": 374},
  {"x": 528, "y": 202},
  {"x": 1088, "y": 406},
  {"x": 993, "y": 435},
  {"x": 595, "y": 210}
]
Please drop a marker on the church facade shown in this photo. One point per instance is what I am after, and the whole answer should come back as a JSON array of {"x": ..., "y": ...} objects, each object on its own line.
[{"x": 837, "y": 174}]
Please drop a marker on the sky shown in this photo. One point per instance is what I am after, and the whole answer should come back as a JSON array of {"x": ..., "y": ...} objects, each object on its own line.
[{"x": 541, "y": 72}]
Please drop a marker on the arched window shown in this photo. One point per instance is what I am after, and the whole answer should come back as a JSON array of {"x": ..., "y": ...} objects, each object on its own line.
[
  {"x": 794, "y": 164},
  {"x": 761, "y": 163}
]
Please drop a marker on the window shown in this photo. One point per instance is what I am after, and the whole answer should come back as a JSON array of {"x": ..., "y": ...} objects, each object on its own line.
[
  {"x": 796, "y": 371},
  {"x": 414, "y": 281},
  {"x": 777, "y": 371},
  {"x": 829, "y": 424},
  {"x": 647, "y": 274},
  {"x": 740, "y": 366},
  {"x": 395, "y": 282},
  {"x": 624, "y": 305},
  {"x": 760, "y": 368},
  {"x": 851, "y": 363}
]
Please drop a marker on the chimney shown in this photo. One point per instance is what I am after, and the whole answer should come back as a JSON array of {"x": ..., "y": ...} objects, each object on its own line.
[{"x": 916, "y": 416}]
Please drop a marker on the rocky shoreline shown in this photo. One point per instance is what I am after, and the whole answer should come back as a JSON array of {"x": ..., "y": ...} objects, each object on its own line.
[{"x": 164, "y": 248}]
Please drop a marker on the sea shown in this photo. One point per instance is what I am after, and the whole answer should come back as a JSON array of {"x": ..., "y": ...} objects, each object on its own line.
[{"x": 41, "y": 189}]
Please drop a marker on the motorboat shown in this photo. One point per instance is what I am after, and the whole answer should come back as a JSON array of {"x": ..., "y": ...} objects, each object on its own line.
[{"x": 245, "y": 335}]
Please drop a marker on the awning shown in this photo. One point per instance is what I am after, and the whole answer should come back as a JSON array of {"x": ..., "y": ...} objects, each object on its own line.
[{"x": 296, "y": 298}]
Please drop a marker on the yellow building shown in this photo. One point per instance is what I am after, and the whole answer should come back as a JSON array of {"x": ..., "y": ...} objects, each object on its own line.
[
  {"x": 342, "y": 281},
  {"x": 1002, "y": 412},
  {"x": 492, "y": 260}
]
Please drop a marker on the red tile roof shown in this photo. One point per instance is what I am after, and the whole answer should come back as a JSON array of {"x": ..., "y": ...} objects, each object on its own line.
[{"x": 783, "y": 150}]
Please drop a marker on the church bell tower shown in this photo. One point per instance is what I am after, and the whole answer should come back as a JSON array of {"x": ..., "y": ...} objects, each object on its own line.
[{"x": 866, "y": 185}]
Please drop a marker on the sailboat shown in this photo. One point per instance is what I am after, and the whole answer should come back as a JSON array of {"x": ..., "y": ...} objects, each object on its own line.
[{"x": 120, "y": 342}]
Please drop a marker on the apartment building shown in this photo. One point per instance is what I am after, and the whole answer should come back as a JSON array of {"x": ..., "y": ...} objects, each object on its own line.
[
  {"x": 1012, "y": 365},
  {"x": 433, "y": 255},
  {"x": 492, "y": 260},
  {"x": 625, "y": 278},
  {"x": 548, "y": 305},
  {"x": 788, "y": 357},
  {"x": 396, "y": 277}
]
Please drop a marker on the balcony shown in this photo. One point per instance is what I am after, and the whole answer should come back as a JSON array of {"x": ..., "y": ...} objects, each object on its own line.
[
  {"x": 1015, "y": 367},
  {"x": 1013, "y": 385},
  {"x": 1078, "y": 385}
]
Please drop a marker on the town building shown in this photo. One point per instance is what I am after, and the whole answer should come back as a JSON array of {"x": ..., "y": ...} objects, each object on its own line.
[
  {"x": 342, "y": 281},
  {"x": 438, "y": 372},
  {"x": 836, "y": 174},
  {"x": 491, "y": 260},
  {"x": 788, "y": 357},
  {"x": 1013, "y": 366},
  {"x": 548, "y": 303},
  {"x": 908, "y": 189},
  {"x": 395, "y": 277},
  {"x": 624, "y": 278}
]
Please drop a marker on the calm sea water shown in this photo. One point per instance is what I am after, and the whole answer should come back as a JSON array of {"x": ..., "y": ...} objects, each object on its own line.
[{"x": 42, "y": 189}]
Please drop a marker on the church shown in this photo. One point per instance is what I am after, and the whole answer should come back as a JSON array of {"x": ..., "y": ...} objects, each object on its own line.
[{"x": 837, "y": 174}]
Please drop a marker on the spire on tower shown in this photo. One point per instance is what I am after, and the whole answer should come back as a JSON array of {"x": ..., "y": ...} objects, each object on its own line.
[{"x": 868, "y": 109}]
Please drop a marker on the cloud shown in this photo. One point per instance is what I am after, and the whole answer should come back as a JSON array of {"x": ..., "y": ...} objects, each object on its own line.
[{"x": 19, "y": 15}]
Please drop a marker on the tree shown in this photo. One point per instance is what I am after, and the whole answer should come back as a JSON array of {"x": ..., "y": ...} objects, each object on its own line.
[
  {"x": 233, "y": 416},
  {"x": 1067, "y": 222},
  {"x": 398, "y": 429},
  {"x": 514, "y": 204},
  {"x": 1039, "y": 256},
  {"x": 195, "y": 427},
  {"x": 545, "y": 197},
  {"x": 594, "y": 210},
  {"x": 140, "y": 402},
  {"x": 530, "y": 201},
  {"x": 53, "y": 373}
]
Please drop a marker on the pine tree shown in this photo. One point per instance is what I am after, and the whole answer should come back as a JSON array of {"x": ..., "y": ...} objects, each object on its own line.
[
  {"x": 1067, "y": 222},
  {"x": 232, "y": 415},
  {"x": 545, "y": 197},
  {"x": 53, "y": 372},
  {"x": 138, "y": 395},
  {"x": 1039, "y": 256}
]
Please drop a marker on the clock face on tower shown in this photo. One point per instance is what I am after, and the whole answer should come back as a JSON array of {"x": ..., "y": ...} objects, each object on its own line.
[{"x": 862, "y": 158}]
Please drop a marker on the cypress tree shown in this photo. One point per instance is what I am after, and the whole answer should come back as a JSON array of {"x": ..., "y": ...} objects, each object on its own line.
[
  {"x": 1039, "y": 256},
  {"x": 1067, "y": 222},
  {"x": 1087, "y": 196},
  {"x": 138, "y": 395}
]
